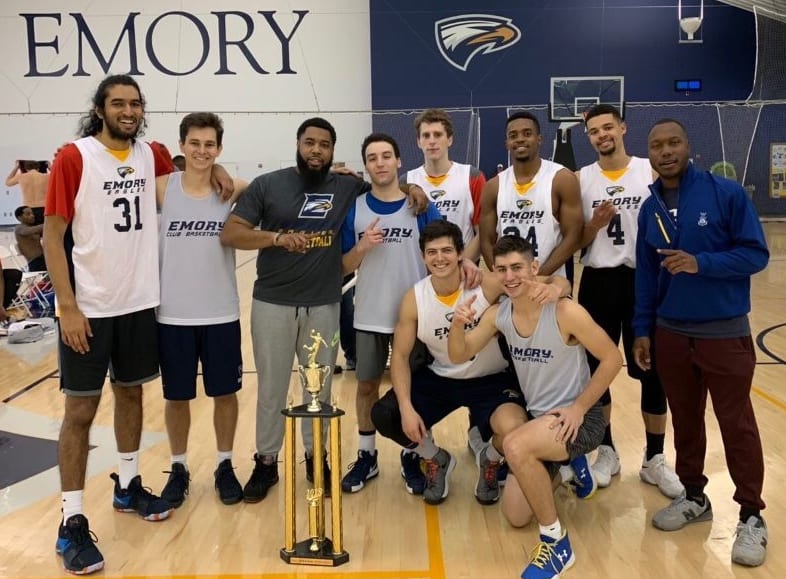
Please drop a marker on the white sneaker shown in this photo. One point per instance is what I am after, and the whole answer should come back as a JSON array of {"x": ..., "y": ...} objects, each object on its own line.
[
  {"x": 566, "y": 474},
  {"x": 606, "y": 465},
  {"x": 655, "y": 472}
]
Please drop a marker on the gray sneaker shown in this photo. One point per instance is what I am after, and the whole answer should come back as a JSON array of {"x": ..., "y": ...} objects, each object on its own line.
[
  {"x": 750, "y": 546},
  {"x": 438, "y": 470},
  {"x": 682, "y": 511},
  {"x": 487, "y": 489}
]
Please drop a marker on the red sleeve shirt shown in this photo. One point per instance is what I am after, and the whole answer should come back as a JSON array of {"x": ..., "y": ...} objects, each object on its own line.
[{"x": 477, "y": 180}]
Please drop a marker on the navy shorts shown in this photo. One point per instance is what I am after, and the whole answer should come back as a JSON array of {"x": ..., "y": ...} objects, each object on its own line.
[
  {"x": 126, "y": 345},
  {"x": 216, "y": 346},
  {"x": 434, "y": 397}
]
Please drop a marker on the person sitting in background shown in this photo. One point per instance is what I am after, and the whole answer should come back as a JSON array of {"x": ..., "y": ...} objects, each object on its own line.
[{"x": 28, "y": 238}]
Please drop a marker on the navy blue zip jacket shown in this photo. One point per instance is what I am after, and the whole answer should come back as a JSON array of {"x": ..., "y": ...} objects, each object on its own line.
[{"x": 717, "y": 224}]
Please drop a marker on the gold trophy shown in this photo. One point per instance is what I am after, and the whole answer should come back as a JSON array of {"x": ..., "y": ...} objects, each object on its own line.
[
  {"x": 318, "y": 549},
  {"x": 313, "y": 375}
]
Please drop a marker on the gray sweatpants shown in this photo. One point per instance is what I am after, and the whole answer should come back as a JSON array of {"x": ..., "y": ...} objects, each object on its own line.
[{"x": 279, "y": 334}]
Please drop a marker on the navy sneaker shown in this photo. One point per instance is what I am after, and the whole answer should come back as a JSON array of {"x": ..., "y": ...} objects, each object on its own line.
[
  {"x": 228, "y": 487},
  {"x": 412, "y": 473},
  {"x": 176, "y": 487},
  {"x": 363, "y": 469},
  {"x": 138, "y": 499},
  {"x": 76, "y": 544}
]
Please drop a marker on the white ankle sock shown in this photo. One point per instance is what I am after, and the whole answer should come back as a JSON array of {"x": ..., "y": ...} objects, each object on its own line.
[
  {"x": 72, "y": 504},
  {"x": 552, "y": 531},
  {"x": 427, "y": 448},
  {"x": 223, "y": 455},
  {"x": 367, "y": 442},
  {"x": 129, "y": 467},
  {"x": 181, "y": 458}
]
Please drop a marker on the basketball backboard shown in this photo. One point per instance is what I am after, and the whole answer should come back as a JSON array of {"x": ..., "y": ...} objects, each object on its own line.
[{"x": 571, "y": 96}]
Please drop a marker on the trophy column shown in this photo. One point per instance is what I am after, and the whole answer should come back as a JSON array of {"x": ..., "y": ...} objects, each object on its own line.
[{"x": 318, "y": 549}]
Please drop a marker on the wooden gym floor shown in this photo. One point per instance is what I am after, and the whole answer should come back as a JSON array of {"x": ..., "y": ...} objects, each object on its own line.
[{"x": 388, "y": 533}]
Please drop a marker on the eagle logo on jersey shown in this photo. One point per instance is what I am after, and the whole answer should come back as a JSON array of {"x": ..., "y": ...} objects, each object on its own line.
[
  {"x": 125, "y": 171},
  {"x": 436, "y": 194},
  {"x": 316, "y": 206},
  {"x": 522, "y": 203},
  {"x": 462, "y": 38},
  {"x": 614, "y": 189}
]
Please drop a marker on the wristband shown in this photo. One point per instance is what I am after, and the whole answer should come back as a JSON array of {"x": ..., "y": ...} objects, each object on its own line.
[{"x": 275, "y": 238}]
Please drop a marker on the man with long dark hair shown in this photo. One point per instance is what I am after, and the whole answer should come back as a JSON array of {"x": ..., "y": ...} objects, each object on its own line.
[{"x": 101, "y": 247}]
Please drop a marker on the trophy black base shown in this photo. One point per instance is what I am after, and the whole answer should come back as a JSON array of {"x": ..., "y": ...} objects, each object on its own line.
[{"x": 324, "y": 557}]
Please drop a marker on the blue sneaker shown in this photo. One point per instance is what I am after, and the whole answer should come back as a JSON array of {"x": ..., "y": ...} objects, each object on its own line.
[
  {"x": 76, "y": 544},
  {"x": 584, "y": 483},
  {"x": 138, "y": 499},
  {"x": 363, "y": 469},
  {"x": 550, "y": 558},
  {"x": 412, "y": 473}
]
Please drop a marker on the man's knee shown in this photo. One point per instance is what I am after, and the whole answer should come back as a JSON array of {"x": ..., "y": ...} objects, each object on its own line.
[
  {"x": 368, "y": 388},
  {"x": 80, "y": 411},
  {"x": 386, "y": 419}
]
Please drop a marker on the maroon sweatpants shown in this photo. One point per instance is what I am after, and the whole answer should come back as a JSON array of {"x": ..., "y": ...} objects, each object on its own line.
[{"x": 689, "y": 368}]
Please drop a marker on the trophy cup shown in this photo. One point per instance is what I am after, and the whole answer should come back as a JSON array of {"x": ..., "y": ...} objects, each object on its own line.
[
  {"x": 313, "y": 375},
  {"x": 318, "y": 549}
]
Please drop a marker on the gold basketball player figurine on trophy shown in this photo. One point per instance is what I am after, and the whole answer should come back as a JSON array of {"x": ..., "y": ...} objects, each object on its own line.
[{"x": 313, "y": 375}]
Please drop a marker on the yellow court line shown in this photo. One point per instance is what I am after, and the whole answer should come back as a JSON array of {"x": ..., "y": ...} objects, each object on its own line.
[
  {"x": 434, "y": 537},
  {"x": 770, "y": 398}
]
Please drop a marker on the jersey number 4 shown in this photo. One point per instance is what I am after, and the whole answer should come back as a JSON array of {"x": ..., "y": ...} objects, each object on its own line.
[
  {"x": 130, "y": 216},
  {"x": 531, "y": 237},
  {"x": 615, "y": 232}
]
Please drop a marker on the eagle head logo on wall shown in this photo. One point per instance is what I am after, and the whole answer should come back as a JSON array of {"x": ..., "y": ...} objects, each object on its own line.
[{"x": 461, "y": 38}]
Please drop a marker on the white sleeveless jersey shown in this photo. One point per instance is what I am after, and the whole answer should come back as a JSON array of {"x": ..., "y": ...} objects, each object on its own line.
[
  {"x": 616, "y": 244},
  {"x": 530, "y": 215},
  {"x": 115, "y": 253},
  {"x": 452, "y": 197},
  {"x": 433, "y": 325},
  {"x": 551, "y": 373},
  {"x": 198, "y": 282},
  {"x": 388, "y": 270}
]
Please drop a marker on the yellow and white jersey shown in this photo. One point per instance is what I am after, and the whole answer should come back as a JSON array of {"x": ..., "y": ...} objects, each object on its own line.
[
  {"x": 434, "y": 317},
  {"x": 627, "y": 189},
  {"x": 451, "y": 194},
  {"x": 526, "y": 210}
]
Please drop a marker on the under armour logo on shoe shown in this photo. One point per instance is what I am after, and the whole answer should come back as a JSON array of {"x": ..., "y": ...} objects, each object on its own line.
[{"x": 562, "y": 556}]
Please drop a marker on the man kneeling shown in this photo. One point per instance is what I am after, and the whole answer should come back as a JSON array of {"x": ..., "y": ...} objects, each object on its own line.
[
  {"x": 419, "y": 400},
  {"x": 561, "y": 420}
]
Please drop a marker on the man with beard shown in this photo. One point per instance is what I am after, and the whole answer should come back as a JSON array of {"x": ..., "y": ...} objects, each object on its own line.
[
  {"x": 535, "y": 199},
  {"x": 299, "y": 211},
  {"x": 101, "y": 246},
  {"x": 612, "y": 192}
]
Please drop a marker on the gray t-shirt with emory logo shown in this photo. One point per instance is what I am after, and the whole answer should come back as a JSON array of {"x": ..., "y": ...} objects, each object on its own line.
[{"x": 280, "y": 201}]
